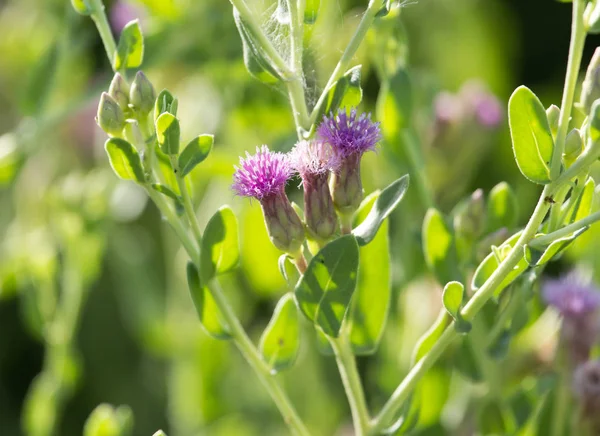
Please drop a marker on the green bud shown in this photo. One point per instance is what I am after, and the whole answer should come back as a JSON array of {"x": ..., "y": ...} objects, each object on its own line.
[
  {"x": 573, "y": 147},
  {"x": 553, "y": 114},
  {"x": 102, "y": 422},
  {"x": 119, "y": 91},
  {"x": 82, "y": 6},
  {"x": 320, "y": 216},
  {"x": 110, "y": 115},
  {"x": 590, "y": 89},
  {"x": 346, "y": 186},
  {"x": 142, "y": 95},
  {"x": 284, "y": 227}
]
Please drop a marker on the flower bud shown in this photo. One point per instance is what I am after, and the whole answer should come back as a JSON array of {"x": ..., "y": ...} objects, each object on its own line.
[
  {"x": 119, "y": 91},
  {"x": 469, "y": 219},
  {"x": 110, "y": 115},
  {"x": 142, "y": 95},
  {"x": 586, "y": 386},
  {"x": 81, "y": 6},
  {"x": 573, "y": 147},
  {"x": 263, "y": 176},
  {"x": 553, "y": 114},
  {"x": 590, "y": 88}
]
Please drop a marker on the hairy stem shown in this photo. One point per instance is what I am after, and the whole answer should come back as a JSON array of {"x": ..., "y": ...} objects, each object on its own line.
[
  {"x": 296, "y": 84},
  {"x": 578, "y": 34}
]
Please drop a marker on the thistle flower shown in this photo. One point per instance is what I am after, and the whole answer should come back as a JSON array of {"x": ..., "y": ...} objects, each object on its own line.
[
  {"x": 586, "y": 386},
  {"x": 263, "y": 176},
  {"x": 314, "y": 160},
  {"x": 577, "y": 302},
  {"x": 350, "y": 136}
]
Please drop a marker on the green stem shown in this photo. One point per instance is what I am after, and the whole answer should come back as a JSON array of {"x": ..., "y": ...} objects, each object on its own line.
[
  {"x": 99, "y": 16},
  {"x": 352, "y": 384},
  {"x": 555, "y": 214},
  {"x": 562, "y": 392},
  {"x": 417, "y": 167},
  {"x": 578, "y": 34},
  {"x": 187, "y": 201},
  {"x": 544, "y": 240},
  {"x": 296, "y": 84},
  {"x": 344, "y": 62},
  {"x": 479, "y": 345}
]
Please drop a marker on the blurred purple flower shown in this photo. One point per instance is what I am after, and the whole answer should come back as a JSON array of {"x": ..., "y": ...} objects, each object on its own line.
[
  {"x": 349, "y": 134},
  {"x": 262, "y": 174},
  {"x": 571, "y": 296},
  {"x": 121, "y": 13}
]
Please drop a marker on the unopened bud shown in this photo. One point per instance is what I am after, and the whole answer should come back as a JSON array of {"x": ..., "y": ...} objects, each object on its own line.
[
  {"x": 590, "y": 89},
  {"x": 81, "y": 6},
  {"x": 573, "y": 147},
  {"x": 110, "y": 115},
  {"x": 283, "y": 224},
  {"x": 142, "y": 95},
  {"x": 119, "y": 91},
  {"x": 346, "y": 185},
  {"x": 553, "y": 114},
  {"x": 469, "y": 219}
]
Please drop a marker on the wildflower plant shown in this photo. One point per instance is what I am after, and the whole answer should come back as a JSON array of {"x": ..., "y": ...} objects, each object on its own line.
[{"x": 485, "y": 263}]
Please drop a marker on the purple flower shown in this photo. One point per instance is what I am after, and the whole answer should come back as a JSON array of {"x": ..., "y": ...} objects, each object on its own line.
[
  {"x": 571, "y": 296},
  {"x": 263, "y": 174},
  {"x": 349, "y": 134},
  {"x": 311, "y": 158}
]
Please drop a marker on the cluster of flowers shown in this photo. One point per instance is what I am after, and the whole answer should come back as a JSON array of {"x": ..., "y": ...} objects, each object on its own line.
[
  {"x": 329, "y": 167},
  {"x": 578, "y": 303}
]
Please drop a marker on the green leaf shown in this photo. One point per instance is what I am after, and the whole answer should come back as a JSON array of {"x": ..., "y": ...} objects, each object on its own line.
[
  {"x": 395, "y": 105},
  {"x": 323, "y": 344},
  {"x": 325, "y": 289},
  {"x": 594, "y": 122},
  {"x": 439, "y": 247},
  {"x": 369, "y": 310},
  {"x": 125, "y": 160},
  {"x": 194, "y": 153},
  {"x": 539, "y": 256},
  {"x": 345, "y": 93},
  {"x": 208, "y": 312},
  {"x": 490, "y": 264},
  {"x": 311, "y": 11},
  {"x": 168, "y": 133},
  {"x": 165, "y": 191},
  {"x": 502, "y": 208},
  {"x": 255, "y": 60},
  {"x": 430, "y": 337},
  {"x": 584, "y": 203},
  {"x": 165, "y": 102},
  {"x": 280, "y": 341},
  {"x": 452, "y": 297},
  {"x": 130, "y": 51},
  {"x": 531, "y": 135},
  {"x": 220, "y": 246},
  {"x": 385, "y": 204}
]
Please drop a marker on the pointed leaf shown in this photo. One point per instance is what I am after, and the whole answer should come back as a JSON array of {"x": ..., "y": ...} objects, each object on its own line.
[
  {"x": 369, "y": 310},
  {"x": 385, "y": 204},
  {"x": 130, "y": 51},
  {"x": 439, "y": 247},
  {"x": 168, "y": 133},
  {"x": 531, "y": 135},
  {"x": 539, "y": 256},
  {"x": 206, "y": 307},
  {"x": 165, "y": 102},
  {"x": 125, "y": 160},
  {"x": 345, "y": 93},
  {"x": 194, "y": 153},
  {"x": 220, "y": 246},
  {"x": 280, "y": 341},
  {"x": 325, "y": 289}
]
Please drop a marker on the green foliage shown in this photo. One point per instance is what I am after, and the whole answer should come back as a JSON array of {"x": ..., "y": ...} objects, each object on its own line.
[
  {"x": 325, "y": 289},
  {"x": 194, "y": 153},
  {"x": 439, "y": 247},
  {"x": 344, "y": 93},
  {"x": 168, "y": 133},
  {"x": 453, "y": 298},
  {"x": 220, "y": 246},
  {"x": 130, "y": 50},
  {"x": 280, "y": 342},
  {"x": 125, "y": 160},
  {"x": 502, "y": 208},
  {"x": 531, "y": 136}
]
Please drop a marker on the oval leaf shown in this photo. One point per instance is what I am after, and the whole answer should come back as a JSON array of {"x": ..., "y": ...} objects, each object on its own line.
[
  {"x": 452, "y": 298},
  {"x": 206, "y": 307},
  {"x": 168, "y": 133},
  {"x": 325, "y": 289},
  {"x": 369, "y": 311},
  {"x": 385, "y": 204},
  {"x": 220, "y": 246},
  {"x": 280, "y": 341},
  {"x": 130, "y": 51},
  {"x": 125, "y": 160},
  {"x": 531, "y": 135},
  {"x": 439, "y": 247},
  {"x": 165, "y": 102},
  {"x": 194, "y": 153}
]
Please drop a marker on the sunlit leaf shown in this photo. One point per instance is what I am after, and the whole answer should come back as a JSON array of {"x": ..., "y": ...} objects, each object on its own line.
[
  {"x": 439, "y": 247},
  {"x": 130, "y": 50},
  {"x": 538, "y": 256},
  {"x": 220, "y": 246},
  {"x": 125, "y": 160},
  {"x": 165, "y": 102},
  {"x": 430, "y": 337},
  {"x": 280, "y": 341},
  {"x": 194, "y": 153},
  {"x": 168, "y": 133}
]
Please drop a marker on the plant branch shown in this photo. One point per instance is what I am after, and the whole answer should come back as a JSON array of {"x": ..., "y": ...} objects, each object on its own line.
[
  {"x": 544, "y": 240},
  {"x": 98, "y": 14}
]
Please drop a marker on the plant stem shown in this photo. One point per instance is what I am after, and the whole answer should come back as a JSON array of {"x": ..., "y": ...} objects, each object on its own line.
[
  {"x": 578, "y": 34},
  {"x": 561, "y": 394},
  {"x": 543, "y": 240},
  {"x": 99, "y": 16},
  {"x": 417, "y": 170},
  {"x": 187, "y": 201},
  {"x": 479, "y": 345},
  {"x": 344, "y": 62},
  {"x": 296, "y": 84},
  {"x": 352, "y": 384}
]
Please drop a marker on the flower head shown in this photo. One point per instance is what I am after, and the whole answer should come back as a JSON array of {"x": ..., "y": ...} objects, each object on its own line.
[
  {"x": 571, "y": 296},
  {"x": 350, "y": 134},
  {"x": 261, "y": 175},
  {"x": 311, "y": 158}
]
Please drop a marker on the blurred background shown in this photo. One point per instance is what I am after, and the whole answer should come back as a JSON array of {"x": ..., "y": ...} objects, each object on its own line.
[{"x": 68, "y": 226}]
